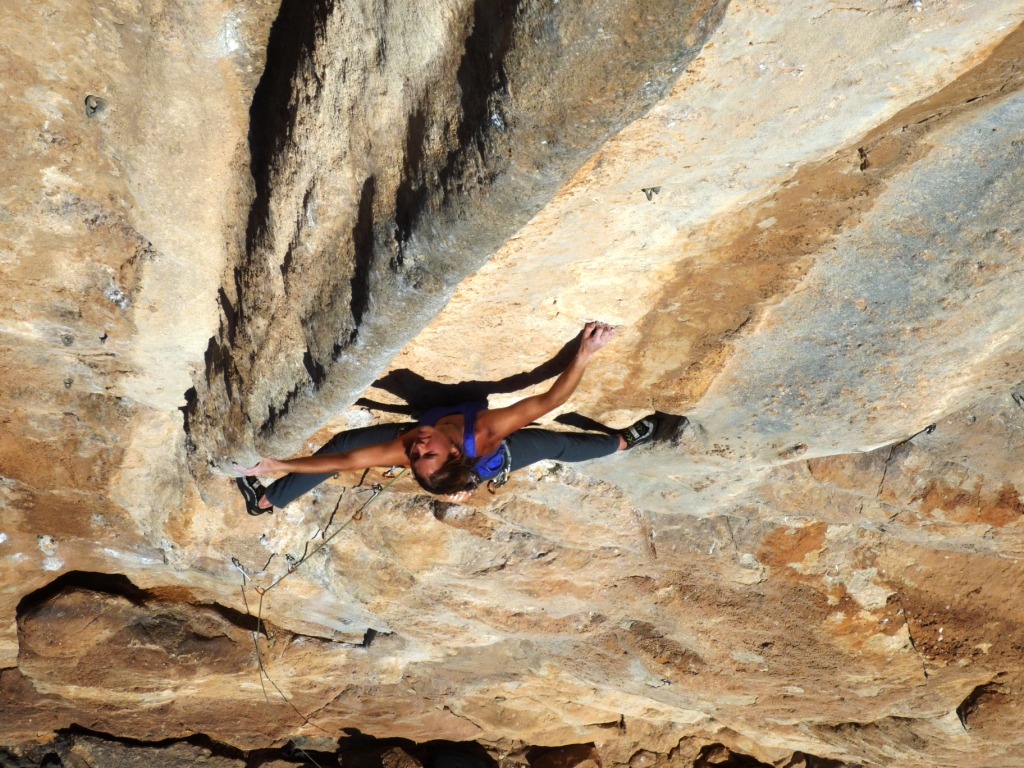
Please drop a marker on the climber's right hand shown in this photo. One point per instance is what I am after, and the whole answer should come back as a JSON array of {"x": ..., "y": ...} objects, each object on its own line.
[{"x": 595, "y": 335}]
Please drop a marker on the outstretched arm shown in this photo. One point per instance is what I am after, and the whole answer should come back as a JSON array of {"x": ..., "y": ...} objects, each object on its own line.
[
  {"x": 390, "y": 454},
  {"x": 502, "y": 422}
]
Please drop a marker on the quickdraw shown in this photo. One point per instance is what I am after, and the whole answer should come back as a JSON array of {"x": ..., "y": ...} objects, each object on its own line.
[
  {"x": 377, "y": 489},
  {"x": 926, "y": 431},
  {"x": 506, "y": 467}
]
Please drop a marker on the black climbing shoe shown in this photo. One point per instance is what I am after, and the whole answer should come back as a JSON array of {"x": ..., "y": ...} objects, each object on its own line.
[
  {"x": 641, "y": 432},
  {"x": 252, "y": 491}
]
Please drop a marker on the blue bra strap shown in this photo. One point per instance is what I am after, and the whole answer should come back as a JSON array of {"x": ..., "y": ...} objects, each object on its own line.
[{"x": 468, "y": 411}]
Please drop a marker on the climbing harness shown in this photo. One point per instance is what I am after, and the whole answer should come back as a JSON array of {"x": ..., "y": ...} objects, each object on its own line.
[
  {"x": 293, "y": 565},
  {"x": 503, "y": 471}
]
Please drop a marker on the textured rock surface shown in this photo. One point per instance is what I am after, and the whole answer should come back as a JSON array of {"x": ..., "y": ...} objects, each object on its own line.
[
  {"x": 377, "y": 191},
  {"x": 827, "y": 259}
]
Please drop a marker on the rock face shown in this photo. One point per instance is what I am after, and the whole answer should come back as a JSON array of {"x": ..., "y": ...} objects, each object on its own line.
[
  {"x": 239, "y": 227},
  {"x": 110, "y": 635},
  {"x": 377, "y": 191}
]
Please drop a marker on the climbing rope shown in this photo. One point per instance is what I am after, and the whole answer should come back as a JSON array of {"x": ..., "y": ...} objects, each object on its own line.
[{"x": 294, "y": 565}]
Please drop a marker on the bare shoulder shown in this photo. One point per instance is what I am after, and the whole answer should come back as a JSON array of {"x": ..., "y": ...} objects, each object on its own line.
[{"x": 486, "y": 431}]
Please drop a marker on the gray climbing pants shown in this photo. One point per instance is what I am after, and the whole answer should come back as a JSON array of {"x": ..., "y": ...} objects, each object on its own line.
[
  {"x": 525, "y": 446},
  {"x": 293, "y": 485},
  {"x": 528, "y": 446}
]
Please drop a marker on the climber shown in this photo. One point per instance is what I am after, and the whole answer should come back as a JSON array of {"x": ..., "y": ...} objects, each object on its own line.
[{"x": 451, "y": 450}]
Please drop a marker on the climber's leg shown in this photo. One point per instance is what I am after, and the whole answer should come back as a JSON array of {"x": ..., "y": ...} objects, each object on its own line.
[
  {"x": 528, "y": 446},
  {"x": 291, "y": 486}
]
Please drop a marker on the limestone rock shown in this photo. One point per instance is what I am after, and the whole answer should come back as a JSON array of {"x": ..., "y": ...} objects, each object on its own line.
[
  {"x": 225, "y": 224},
  {"x": 104, "y": 633},
  {"x": 571, "y": 756}
]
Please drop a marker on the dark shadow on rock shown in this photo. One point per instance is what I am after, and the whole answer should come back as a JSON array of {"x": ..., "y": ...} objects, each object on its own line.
[
  {"x": 566, "y": 756},
  {"x": 670, "y": 427},
  {"x": 362, "y": 244},
  {"x": 720, "y": 756},
  {"x": 116, "y": 584},
  {"x": 421, "y": 394},
  {"x": 354, "y": 750},
  {"x": 360, "y": 750},
  {"x": 585, "y": 423},
  {"x": 119, "y": 585},
  {"x": 272, "y": 113},
  {"x": 446, "y": 755}
]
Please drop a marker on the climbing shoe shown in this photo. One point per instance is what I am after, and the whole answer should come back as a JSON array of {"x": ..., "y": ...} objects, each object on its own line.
[
  {"x": 641, "y": 432},
  {"x": 252, "y": 491}
]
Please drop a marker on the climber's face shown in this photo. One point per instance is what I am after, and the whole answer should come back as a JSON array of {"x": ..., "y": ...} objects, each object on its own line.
[{"x": 430, "y": 450}]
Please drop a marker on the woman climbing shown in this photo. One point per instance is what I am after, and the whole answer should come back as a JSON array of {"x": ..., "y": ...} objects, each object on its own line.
[{"x": 452, "y": 449}]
